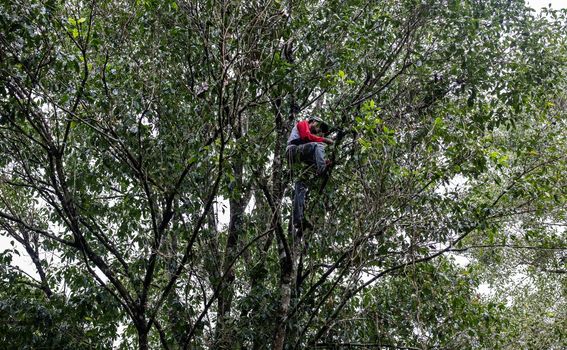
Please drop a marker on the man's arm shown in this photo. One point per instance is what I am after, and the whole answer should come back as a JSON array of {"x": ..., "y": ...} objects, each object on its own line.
[{"x": 306, "y": 135}]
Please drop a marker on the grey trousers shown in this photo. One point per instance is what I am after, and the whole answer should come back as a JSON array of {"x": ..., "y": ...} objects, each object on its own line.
[{"x": 311, "y": 154}]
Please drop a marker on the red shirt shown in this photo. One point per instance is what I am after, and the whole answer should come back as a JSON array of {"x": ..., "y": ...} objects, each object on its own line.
[{"x": 305, "y": 134}]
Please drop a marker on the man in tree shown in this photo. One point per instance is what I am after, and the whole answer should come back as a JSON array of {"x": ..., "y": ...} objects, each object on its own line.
[{"x": 305, "y": 146}]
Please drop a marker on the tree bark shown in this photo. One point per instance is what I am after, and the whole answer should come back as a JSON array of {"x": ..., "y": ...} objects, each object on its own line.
[
  {"x": 237, "y": 207},
  {"x": 288, "y": 247},
  {"x": 287, "y": 284},
  {"x": 142, "y": 339}
]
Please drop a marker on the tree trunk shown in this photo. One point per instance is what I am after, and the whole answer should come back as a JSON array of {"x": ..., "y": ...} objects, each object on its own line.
[
  {"x": 287, "y": 284},
  {"x": 142, "y": 339},
  {"x": 238, "y": 200},
  {"x": 237, "y": 206},
  {"x": 288, "y": 257}
]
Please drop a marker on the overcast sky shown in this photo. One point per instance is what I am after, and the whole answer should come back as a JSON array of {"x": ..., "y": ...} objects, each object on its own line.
[{"x": 556, "y": 4}]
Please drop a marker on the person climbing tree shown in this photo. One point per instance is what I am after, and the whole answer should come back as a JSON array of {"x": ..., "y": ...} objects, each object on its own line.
[{"x": 305, "y": 146}]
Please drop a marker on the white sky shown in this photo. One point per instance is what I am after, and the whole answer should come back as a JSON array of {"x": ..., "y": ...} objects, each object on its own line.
[{"x": 555, "y": 4}]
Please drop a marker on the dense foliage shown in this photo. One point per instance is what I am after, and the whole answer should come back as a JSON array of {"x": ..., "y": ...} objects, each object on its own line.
[{"x": 143, "y": 173}]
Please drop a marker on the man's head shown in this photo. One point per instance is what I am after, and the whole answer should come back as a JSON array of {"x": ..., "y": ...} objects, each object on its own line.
[{"x": 316, "y": 124}]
